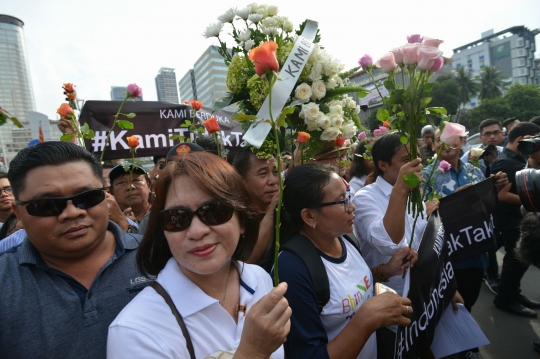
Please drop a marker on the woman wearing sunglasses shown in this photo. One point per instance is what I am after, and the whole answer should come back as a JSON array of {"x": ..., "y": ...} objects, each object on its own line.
[
  {"x": 318, "y": 208},
  {"x": 201, "y": 227}
]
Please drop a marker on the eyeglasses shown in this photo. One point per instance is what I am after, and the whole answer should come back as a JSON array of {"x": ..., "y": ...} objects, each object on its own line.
[
  {"x": 48, "y": 207},
  {"x": 211, "y": 214},
  {"x": 5, "y": 189},
  {"x": 494, "y": 133},
  {"x": 346, "y": 202}
]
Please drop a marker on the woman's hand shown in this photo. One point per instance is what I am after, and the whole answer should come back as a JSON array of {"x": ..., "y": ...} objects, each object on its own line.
[
  {"x": 455, "y": 300},
  {"x": 402, "y": 258},
  {"x": 384, "y": 310},
  {"x": 267, "y": 325},
  {"x": 431, "y": 206}
]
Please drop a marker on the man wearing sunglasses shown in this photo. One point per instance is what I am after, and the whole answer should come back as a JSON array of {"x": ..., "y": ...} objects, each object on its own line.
[
  {"x": 131, "y": 193},
  {"x": 75, "y": 270}
]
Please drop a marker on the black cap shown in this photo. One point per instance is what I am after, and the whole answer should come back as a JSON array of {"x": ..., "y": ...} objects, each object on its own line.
[
  {"x": 119, "y": 170},
  {"x": 183, "y": 148}
]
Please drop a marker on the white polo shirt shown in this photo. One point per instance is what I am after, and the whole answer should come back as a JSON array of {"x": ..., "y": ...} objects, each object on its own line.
[{"x": 146, "y": 328}]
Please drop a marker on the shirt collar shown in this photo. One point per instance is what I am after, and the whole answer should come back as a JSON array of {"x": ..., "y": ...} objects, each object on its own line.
[
  {"x": 28, "y": 254},
  {"x": 189, "y": 298},
  {"x": 511, "y": 153},
  {"x": 385, "y": 187}
]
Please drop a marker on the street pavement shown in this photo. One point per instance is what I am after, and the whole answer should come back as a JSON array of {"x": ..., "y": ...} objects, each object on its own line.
[{"x": 510, "y": 335}]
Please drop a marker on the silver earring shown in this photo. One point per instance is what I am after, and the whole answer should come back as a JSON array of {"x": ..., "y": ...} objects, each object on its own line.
[{"x": 314, "y": 226}]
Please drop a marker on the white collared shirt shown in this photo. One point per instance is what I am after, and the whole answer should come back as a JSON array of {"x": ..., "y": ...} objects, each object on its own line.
[
  {"x": 376, "y": 245},
  {"x": 146, "y": 328}
]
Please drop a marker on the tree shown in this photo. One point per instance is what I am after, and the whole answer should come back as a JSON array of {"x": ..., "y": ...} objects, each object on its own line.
[
  {"x": 497, "y": 108},
  {"x": 445, "y": 94},
  {"x": 492, "y": 83},
  {"x": 467, "y": 87},
  {"x": 524, "y": 100}
]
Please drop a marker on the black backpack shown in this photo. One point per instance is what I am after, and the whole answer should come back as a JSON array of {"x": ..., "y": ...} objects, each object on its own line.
[{"x": 302, "y": 247}]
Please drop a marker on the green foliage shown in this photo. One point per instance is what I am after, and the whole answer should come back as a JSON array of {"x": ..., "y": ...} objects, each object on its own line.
[
  {"x": 492, "y": 83},
  {"x": 125, "y": 125},
  {"x": 524, "y": 100},
  {"x": 490, "y": 108},
  {"x": 372, "y": 121},
  {"x": 468, "y": 87},
  {"x": 445, "y": 94}
]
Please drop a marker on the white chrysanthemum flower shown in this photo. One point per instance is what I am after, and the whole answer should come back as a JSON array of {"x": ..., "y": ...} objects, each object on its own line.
[
  {"x": 213, "y": 30},
  {"x": 262, "y": 10},
  {"x": 330, "y": 134},
  {"x": 243, "y": 13},
  {"x": 349, "y": 130},
  {"x": 228, "y": 16},
  {"x": 302, "y": 92},
  {"x": 255, "y": 18},
  {"x": 318, "y": 89},
  {"x": 244, "y": 35},
  {"x": 249, "y": 44},
  {"x": 253, "y": 6},
  {"x": 272, "y": 10},
  {"x": 287, "y": 26},
  {"x": 271, "y": 31}
]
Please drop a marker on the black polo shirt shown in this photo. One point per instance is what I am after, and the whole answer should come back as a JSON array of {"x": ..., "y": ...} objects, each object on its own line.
[{"x": 509, "y": 162}]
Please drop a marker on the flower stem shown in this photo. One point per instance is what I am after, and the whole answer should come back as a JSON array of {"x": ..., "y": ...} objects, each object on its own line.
[
  {"x": 280, "y": 183},
  {"x": 218, "y": 145},
  {"x": 112, "y": 127}
]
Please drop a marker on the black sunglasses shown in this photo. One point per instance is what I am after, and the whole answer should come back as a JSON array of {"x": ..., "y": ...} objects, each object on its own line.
[
  {"x": 47, "y": 207},
  {"x": 211, "y": 214}
]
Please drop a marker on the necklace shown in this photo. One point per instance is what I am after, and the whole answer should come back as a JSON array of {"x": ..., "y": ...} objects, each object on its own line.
[{"x": 226, "y": 285}]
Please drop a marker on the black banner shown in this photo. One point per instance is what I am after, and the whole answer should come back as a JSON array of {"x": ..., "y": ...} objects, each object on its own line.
[
  {"x": 432, "y": 286},
  {"x": 154, "y": 123},
  {"x": 470, "y": 220}
]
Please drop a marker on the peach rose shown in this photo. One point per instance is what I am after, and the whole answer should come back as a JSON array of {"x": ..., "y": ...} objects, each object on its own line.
[
  {"x": 339, "y": 141},
  {"x": 196, "y": 105},
  {"x": 68, "y": 88},
  {"x": 211, "y": 125},
  {"x": 387, "y": 63},
  {"x": 303, "y": 137},
  {"x": 133, "y": 141},
  {"x": 64, "y": 110},
  {"x": 264, "y": 57}
]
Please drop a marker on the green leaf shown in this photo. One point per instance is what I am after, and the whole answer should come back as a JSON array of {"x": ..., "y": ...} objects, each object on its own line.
[
  {"x": 201, "y": 129},
  {"x": 411, "y": 180},
  {"x": 390, "y": 85},
  {"x": 280, "y": 122},
  {"x": 403, "y": 139},
  {"x": 16, "y": 122},
  {"x": 184, "y": 125},
  {"x": 297, "y": 102},
  {"x": 241, "y": 117},
  {"x": 188, "y": 122},
  {"x": 383, "y": 114},
  {"x": 174, "y": 137},
  {"x": 427, "y": 100},
  {"x": 363, "y": 93},
  {"x": 223, "y": 102},
  {"x": 396, "y": 97},
  {"x": 85, "y": 128},
  {"x": 89, "y": 135},
  {"x": 66, "y": 137},
  {"x": 131, "y": 115},
  {"x": 125, "y": 125},
  {"x": 428, "y": 87},
  {"x": 438, "y": 110}
]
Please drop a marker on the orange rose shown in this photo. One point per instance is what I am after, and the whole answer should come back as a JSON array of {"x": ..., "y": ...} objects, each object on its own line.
[
  {"x": 68, "y": 88},
  {"x": 211, "y": 125},
  {"x": 264, "y": 57},
  {"x": 64, "y": 110},
  {"x": 71, "y": 96},
  {"x": 339, "y": 141},
  {"x": 133, "y": 141},
  {"x": 303, "y": 137},
  {"x": 196, "y": 105},
  {"x": 386, "y": 124}
]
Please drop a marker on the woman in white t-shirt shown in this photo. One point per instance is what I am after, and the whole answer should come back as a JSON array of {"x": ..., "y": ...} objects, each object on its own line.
[
  {"x": 201, "y": 227},
  {"x": 318, "y": 207},
  {"x": 360, "y": 167}
]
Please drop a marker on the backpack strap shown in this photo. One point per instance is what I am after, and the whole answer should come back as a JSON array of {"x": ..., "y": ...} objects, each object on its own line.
[
  {"x": 351, "y": 238},
  {"x": 161, "y": 291},
  {"x": 308, "y": 253}
]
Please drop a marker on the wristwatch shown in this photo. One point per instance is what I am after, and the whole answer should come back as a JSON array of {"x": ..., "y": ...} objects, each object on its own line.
[{"x": 132, "y": 229}]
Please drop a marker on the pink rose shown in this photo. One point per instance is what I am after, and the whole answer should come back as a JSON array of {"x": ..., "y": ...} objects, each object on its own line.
[
  {"x": 426, "y": 57},
  {"x": 414, "y": 38},
  {"x": 437, "y": 64},
  {"x": 428, "y": 41},
  {"x": 365, "y": 61},
  {"x": 398, "y": 56},
  {"x": 134, "y": 91},
  {"x": 383, "y": 130},
  {"x": 387, "y": 63},
  {"x": 410, "y": 53},
  {"x": 362, "y": 136},
  {"x": 444, "y": 166},
  {"x": 376, "y": 132},
  {"x": 452, "y": 133}
]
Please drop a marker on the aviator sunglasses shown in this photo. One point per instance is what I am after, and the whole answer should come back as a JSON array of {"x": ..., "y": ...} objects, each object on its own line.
[
  {"x": 211, "y": 214},
  {"x": 47, "y": 207}
]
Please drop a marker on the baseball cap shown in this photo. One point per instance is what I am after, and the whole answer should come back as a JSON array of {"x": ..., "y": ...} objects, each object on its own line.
[
  {"x": 182, "y": 148},
  {"x": 119, "y": 170}
]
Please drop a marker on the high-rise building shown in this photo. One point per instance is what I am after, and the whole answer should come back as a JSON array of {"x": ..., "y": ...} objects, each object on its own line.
[
  {"x": 511, "y": 51},
  {"x": 117, "y": 93},
  {"x": 166, "y": 85},
  {"x": 206, "y": 81},
  {"x": 16, "y": 91}
]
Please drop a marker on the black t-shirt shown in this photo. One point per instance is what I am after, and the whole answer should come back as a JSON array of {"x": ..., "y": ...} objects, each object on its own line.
[{"x": 509, "y": 162}]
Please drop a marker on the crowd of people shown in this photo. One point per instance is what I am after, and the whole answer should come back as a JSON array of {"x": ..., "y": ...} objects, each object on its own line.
[{"x": 100, "y": 260}]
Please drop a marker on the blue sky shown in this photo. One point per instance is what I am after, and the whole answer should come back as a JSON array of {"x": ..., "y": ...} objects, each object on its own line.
[{"x": 102, "y": 43}]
